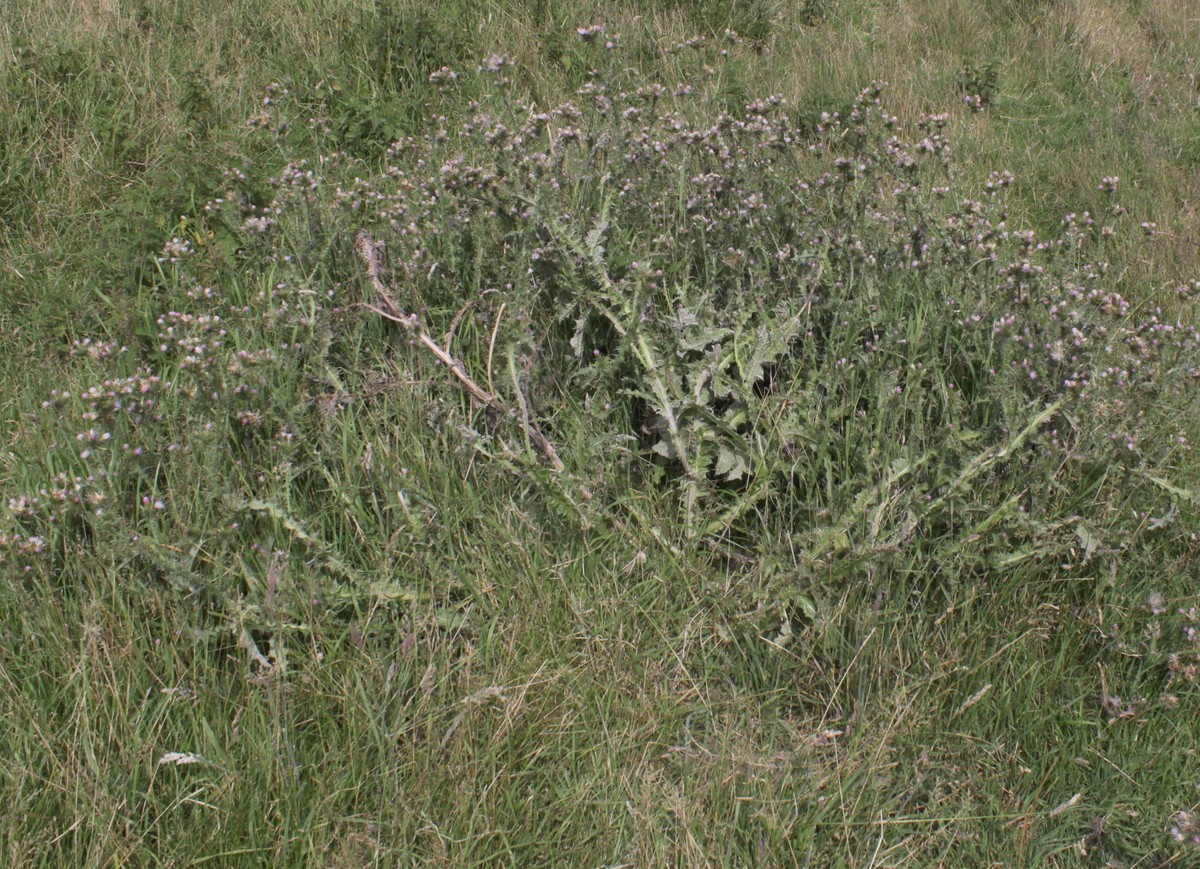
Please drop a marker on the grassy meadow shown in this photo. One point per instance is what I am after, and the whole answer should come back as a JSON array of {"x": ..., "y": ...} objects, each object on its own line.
[{"x": 673, "y": 433}]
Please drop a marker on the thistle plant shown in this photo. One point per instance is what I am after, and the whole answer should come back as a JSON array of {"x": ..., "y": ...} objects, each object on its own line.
[{"x": 779, "y": 322}]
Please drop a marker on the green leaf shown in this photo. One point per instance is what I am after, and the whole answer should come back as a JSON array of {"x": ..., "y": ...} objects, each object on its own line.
[
  {"x": 703, "y": 338},
  {"x": 1186, "y": 494},
  {"x": 665, "y": 449},
  {"x": 1088, "y": 539},
  {"x": 731, "y": 464}
]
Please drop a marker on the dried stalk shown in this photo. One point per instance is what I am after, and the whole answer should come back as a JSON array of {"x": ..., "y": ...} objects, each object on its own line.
[{"x": 390, "y": 309}]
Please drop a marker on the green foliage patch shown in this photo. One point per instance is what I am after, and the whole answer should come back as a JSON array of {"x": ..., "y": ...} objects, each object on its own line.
[{"x": 484, "y": 433}]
